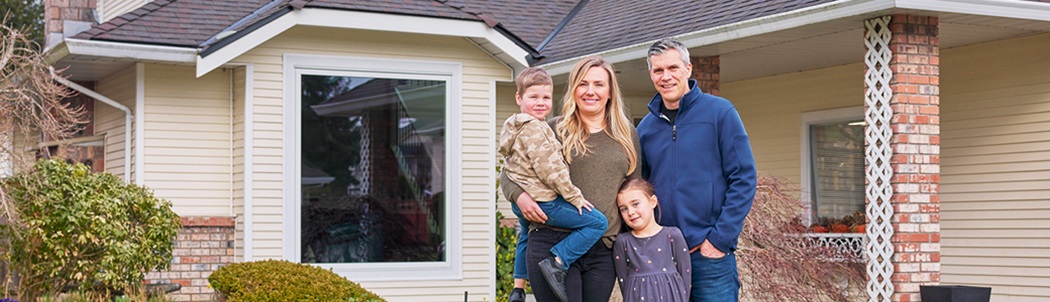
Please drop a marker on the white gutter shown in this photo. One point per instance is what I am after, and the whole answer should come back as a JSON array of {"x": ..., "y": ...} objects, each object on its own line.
[
  {"x": 1029, "y": 10},
  {"x": 111, "y": 102},
  {"x": 104, "y": 49},
  {"x": 735, "y": 31},
  {"x": 818, "y": 14}
]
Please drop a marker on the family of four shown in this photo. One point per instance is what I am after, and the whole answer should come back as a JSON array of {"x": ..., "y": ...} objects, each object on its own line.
[{"x": 656, "y": 210}]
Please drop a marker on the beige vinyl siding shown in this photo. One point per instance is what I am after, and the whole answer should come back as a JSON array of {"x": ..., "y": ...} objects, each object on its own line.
[
  {"x": 995, "y": 168},
  {"x": 479, "y": 71},
  {"x": 109, "y": 9},
  {"x": 120, "y": 87},
  {"x": 187, "y": 139},
  {"x": 238, "y": 160},
  {"x": 771, "y": 109},
  {"x": 505, "y": 107}
]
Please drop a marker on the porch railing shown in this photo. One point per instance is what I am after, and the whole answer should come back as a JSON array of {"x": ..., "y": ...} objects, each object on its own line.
[{"x": 847, "y": 243}]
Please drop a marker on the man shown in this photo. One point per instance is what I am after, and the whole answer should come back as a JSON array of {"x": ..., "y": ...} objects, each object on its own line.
[{"x": 697, "y": 155}]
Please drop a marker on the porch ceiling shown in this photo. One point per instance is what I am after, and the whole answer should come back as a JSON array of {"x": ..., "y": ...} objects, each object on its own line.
[{"x": 822, "y": 45}]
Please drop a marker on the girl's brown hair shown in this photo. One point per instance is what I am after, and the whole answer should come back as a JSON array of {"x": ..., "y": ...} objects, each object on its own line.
[
  {"x": 637, "y": 184},
  {"x": 645, "y": 187}
]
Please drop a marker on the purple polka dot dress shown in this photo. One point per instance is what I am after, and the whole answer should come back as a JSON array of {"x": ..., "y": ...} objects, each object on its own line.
[{"x": 653, "y": 269}]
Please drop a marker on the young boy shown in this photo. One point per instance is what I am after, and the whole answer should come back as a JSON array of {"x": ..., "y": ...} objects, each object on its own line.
[{"x": 533, "y": 160}]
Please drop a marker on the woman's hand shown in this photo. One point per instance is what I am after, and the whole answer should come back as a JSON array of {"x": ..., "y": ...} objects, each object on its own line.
[{"x": 531, "y": 209}]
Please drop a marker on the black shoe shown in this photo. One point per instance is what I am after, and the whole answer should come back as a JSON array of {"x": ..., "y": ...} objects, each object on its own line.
[
  {"x": 517, "y": 295},
  {"x": 555, "y": 276}
]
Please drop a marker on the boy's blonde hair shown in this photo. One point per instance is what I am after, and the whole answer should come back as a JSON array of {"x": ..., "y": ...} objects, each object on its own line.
[{"x": 532, "y": 76}]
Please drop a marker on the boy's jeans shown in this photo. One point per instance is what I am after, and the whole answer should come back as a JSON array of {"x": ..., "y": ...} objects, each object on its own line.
[{"x": 586, "y": 230}]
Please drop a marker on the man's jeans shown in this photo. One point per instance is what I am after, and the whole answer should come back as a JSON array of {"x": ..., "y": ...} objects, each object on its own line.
[
  {"x": 714, "y": 280},
  {"x": 586, "y": 230}
]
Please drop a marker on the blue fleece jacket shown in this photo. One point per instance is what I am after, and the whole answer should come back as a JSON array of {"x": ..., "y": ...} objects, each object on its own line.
[{"x": 701, "y": 166}]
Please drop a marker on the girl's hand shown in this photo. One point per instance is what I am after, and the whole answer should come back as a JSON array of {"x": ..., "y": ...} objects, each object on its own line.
[{"x": 586, "y": 205}]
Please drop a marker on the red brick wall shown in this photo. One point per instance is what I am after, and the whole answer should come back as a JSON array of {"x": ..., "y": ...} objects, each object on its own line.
[
  {"x": 916, "y": 159},
  {"x": 706, "y": 71},
  {"x": 56, "y": 11},
  {"x": 204, "y": 244}
]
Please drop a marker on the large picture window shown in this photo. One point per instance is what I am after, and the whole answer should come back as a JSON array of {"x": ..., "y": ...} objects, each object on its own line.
[
  {"x": 374, "y": 186},
  {"x": 833, "y": 163},
  {"x": 372, "y": 169}
]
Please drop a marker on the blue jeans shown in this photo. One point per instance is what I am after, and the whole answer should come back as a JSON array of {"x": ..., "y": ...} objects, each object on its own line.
[
  {"x": 714, "y": 280},
  {"x": 586, "y": 230}
]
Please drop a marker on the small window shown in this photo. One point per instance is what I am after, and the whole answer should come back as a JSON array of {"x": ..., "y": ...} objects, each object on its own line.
[
  {"x": 833, "y": 163},
  {"x": 837, "y": 160}
]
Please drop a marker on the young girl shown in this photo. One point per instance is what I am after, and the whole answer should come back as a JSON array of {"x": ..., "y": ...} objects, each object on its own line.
[{"x": 652, "y": 261}]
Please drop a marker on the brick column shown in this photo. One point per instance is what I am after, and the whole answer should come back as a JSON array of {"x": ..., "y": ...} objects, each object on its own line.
[
  {"x": 916, "y": 160},
  {"x": 204, "y": 244},
  {"x": 65, "y": 18},
  {"x": 706, "y": 72}
]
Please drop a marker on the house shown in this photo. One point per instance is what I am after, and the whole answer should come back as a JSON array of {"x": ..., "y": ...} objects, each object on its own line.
[{"x": 359, "y": 136}]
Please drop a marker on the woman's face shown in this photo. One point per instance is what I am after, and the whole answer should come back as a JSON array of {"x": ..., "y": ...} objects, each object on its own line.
[{"x": 592, "y": 94}]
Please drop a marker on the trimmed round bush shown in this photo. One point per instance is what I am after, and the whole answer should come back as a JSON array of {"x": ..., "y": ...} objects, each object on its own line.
[{"x": 279, "y": 280}]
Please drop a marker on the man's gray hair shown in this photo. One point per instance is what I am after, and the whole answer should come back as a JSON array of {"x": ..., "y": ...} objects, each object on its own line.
[{"x": 666, "y": 44}]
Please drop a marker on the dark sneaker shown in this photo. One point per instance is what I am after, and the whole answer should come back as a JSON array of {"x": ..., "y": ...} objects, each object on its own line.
[
  {"x": 555, "y": 276},
  {"x": 517, "y": 295}
]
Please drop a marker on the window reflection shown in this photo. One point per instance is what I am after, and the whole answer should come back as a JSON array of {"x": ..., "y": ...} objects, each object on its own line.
[{"x": 372, "y": 170}]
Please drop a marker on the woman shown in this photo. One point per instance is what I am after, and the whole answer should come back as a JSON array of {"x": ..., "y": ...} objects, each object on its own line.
[{"x": 600, "y": 145}]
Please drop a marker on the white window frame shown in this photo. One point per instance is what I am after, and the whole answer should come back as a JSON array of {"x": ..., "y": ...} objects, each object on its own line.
[
  {"x": 295, "y": 66},
  {"x": 816, "y": 118}
]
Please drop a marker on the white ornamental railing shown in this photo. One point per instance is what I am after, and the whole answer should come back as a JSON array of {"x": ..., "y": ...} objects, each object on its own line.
[{"x": 846, "y": 243}]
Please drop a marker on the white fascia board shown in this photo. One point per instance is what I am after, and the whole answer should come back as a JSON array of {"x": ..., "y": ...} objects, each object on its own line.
[
  {"x": 366, "y": 21},
  {"x": 122, "y": 50},
  {"x": 1029, "y": 10},
  {"x": 810, "y": 15}
]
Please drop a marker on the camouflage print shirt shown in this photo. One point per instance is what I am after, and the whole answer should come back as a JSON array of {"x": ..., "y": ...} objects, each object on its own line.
[{"x": 533, "y": 160}]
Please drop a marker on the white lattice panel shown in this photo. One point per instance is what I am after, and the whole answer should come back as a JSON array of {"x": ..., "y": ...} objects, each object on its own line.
[{"x": 877, "y": 154}]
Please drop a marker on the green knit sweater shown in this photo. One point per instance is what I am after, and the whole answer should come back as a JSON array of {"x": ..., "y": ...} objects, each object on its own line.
[{"x": 598, "y": 174}]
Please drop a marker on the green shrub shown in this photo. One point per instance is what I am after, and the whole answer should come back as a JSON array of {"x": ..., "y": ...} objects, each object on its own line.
[
  {"x": 73, "y": 227},
  {"x": 279, "y": 280}
]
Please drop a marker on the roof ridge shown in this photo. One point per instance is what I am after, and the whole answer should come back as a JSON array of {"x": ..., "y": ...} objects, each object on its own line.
[{"x": 121, "y": 20}]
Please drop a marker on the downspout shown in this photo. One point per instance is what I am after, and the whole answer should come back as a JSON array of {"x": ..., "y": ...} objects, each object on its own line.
[{"x": 127, "y": 116}]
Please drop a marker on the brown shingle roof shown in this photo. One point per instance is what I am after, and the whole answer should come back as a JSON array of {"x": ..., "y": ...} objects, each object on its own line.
[
  {"x": 600, "y": 25},
  {"x": 609, "y": 24},
  {"x": 172, "y": 22}
]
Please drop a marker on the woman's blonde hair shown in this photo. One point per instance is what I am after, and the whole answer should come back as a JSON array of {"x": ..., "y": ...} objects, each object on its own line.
[{"x": 571, "y": 128}]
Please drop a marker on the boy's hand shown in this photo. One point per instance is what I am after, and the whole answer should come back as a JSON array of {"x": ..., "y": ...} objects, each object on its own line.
[{"x": 586, "y": 205}]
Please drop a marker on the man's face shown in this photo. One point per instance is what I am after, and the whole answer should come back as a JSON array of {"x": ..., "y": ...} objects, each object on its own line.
[
  {"x": 670, "y": 75},
  {"x": 536, "y": 101}
]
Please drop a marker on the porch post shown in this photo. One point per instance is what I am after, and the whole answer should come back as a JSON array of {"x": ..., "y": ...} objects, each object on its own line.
[
  {"x": 706, "y": 72},
  {"x": 912, "y": 77}
]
